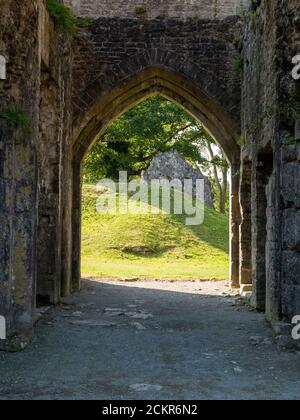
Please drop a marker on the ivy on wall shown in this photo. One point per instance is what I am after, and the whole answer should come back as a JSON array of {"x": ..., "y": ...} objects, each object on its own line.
[
  {"x": 64, "y": 19},
  {"x": 15, "y": 117}
]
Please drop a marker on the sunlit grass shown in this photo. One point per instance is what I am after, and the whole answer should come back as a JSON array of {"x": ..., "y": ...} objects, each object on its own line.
[{"x": 152, "y": 246}]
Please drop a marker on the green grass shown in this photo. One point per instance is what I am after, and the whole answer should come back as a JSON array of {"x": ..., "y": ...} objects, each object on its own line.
[{"x": 152, "y": 246}]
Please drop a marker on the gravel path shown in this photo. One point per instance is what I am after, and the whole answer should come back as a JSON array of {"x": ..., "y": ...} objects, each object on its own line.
[{"x": 151, "y": 340}]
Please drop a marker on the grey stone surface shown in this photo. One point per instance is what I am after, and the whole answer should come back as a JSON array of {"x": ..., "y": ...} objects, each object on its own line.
[
  {"x": 114, "y": 49},
  {"x": 172, "y": 166},
  {"x": 291, "y": 229},
  {"x": 291, "y": 267},
  {"x": 290, "y": 299},
  {"x": 150, "y": 9},
  {"x": 197, "y": 346},
  {"x": 290, "y": 183},
  {"x": 269, "y": 131}
]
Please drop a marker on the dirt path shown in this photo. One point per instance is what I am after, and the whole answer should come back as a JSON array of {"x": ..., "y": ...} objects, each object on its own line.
[{"x": 151, "y": 340}]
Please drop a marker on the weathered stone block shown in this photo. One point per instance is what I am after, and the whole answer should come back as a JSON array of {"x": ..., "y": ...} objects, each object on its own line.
[
  {"x": 291, "y": 229},
  {"x": 291, "y": 301},
  {"x": 291, "y": 184},
  {"x": 291, "y": 267},
  {"x": 291, "y": 152}
]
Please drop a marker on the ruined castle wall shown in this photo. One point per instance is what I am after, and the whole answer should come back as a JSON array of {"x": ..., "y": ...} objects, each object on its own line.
[
  {"x": 268, "y": 117},
  {"x": 54, "y": 160},
  {"x": 150, "y": 9},
  {"x": 37, "y": 167},
  {"x": 18, "y": 177},
  {"x": 31, "y": 161},
  {"x": 289, "y": 158}
]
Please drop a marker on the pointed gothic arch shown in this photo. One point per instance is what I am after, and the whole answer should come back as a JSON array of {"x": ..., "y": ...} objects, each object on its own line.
[{"x": 109, "y": 105}]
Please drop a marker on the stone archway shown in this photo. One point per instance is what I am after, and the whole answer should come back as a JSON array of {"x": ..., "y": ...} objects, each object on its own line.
[
  {"x": 115, "y": 63},
  {"x": 107, "y": 107},
  {"x": 156, "y": 79}
]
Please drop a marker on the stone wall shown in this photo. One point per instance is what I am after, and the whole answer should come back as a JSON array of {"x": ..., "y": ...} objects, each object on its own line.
[
  {"x": 204, "y": 52},
  {"x": 31, "y": 163},
  {"x": 289, "y": 159},
  {"x": 269, "y": 103},
  {"x": 18, "y": 177},
  {"x": 54, "y": 162},
  {"x": 151, "y": 9}
]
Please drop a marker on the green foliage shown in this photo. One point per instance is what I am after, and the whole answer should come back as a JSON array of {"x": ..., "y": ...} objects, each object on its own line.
[
  {"x": 152, "y": 246},
  {"x": 237, "y": 36},
  {"x": 216, "y": 8},
  {"x": 247, "y": 14},
  {"x": 238, "y": 65},
  {"x": 253, "y": 16},
  {"x": 16, "y": 117},
  {"x": 64, "y": 19},
  {"x": 289, "y": 106},
  {"x": 140, "y": 10},
  {"x": 261, "y": 121},
  {"x": 83, "y": 22},
  {"x": 238, "y": 39},
  {"x": 242, "y": 140},
  {"x": 289, "y": 140},
  {"x": 243, "y": 11},
  {"x": 133, "y": 140},
  {"x": 153, "y": 126}
]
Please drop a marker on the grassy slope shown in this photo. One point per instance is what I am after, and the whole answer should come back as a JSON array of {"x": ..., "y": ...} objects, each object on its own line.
[{"x": 152, "y": 246}]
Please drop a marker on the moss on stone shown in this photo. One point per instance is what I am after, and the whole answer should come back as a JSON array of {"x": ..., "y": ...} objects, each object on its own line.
[
  {"x": 64, "y": 19},
  {"x": 15, "y": 117}
]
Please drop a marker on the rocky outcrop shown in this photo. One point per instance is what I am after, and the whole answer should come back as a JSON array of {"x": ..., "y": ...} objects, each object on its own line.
[{"x": 172, "y": 166}]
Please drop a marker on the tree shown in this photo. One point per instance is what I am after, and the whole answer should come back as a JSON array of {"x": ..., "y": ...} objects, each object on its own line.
[
  {"x": 153, "y": 126},
  {"x": 209, "y": 157},
  {"x": 220, "y": 169}
]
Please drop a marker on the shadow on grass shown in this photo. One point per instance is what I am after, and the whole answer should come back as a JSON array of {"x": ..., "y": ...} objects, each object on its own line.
[{"x": 214, "y": 231}]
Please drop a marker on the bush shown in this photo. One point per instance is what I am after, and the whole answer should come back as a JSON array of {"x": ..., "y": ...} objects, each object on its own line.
[{"x": 64, "y": 18}]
